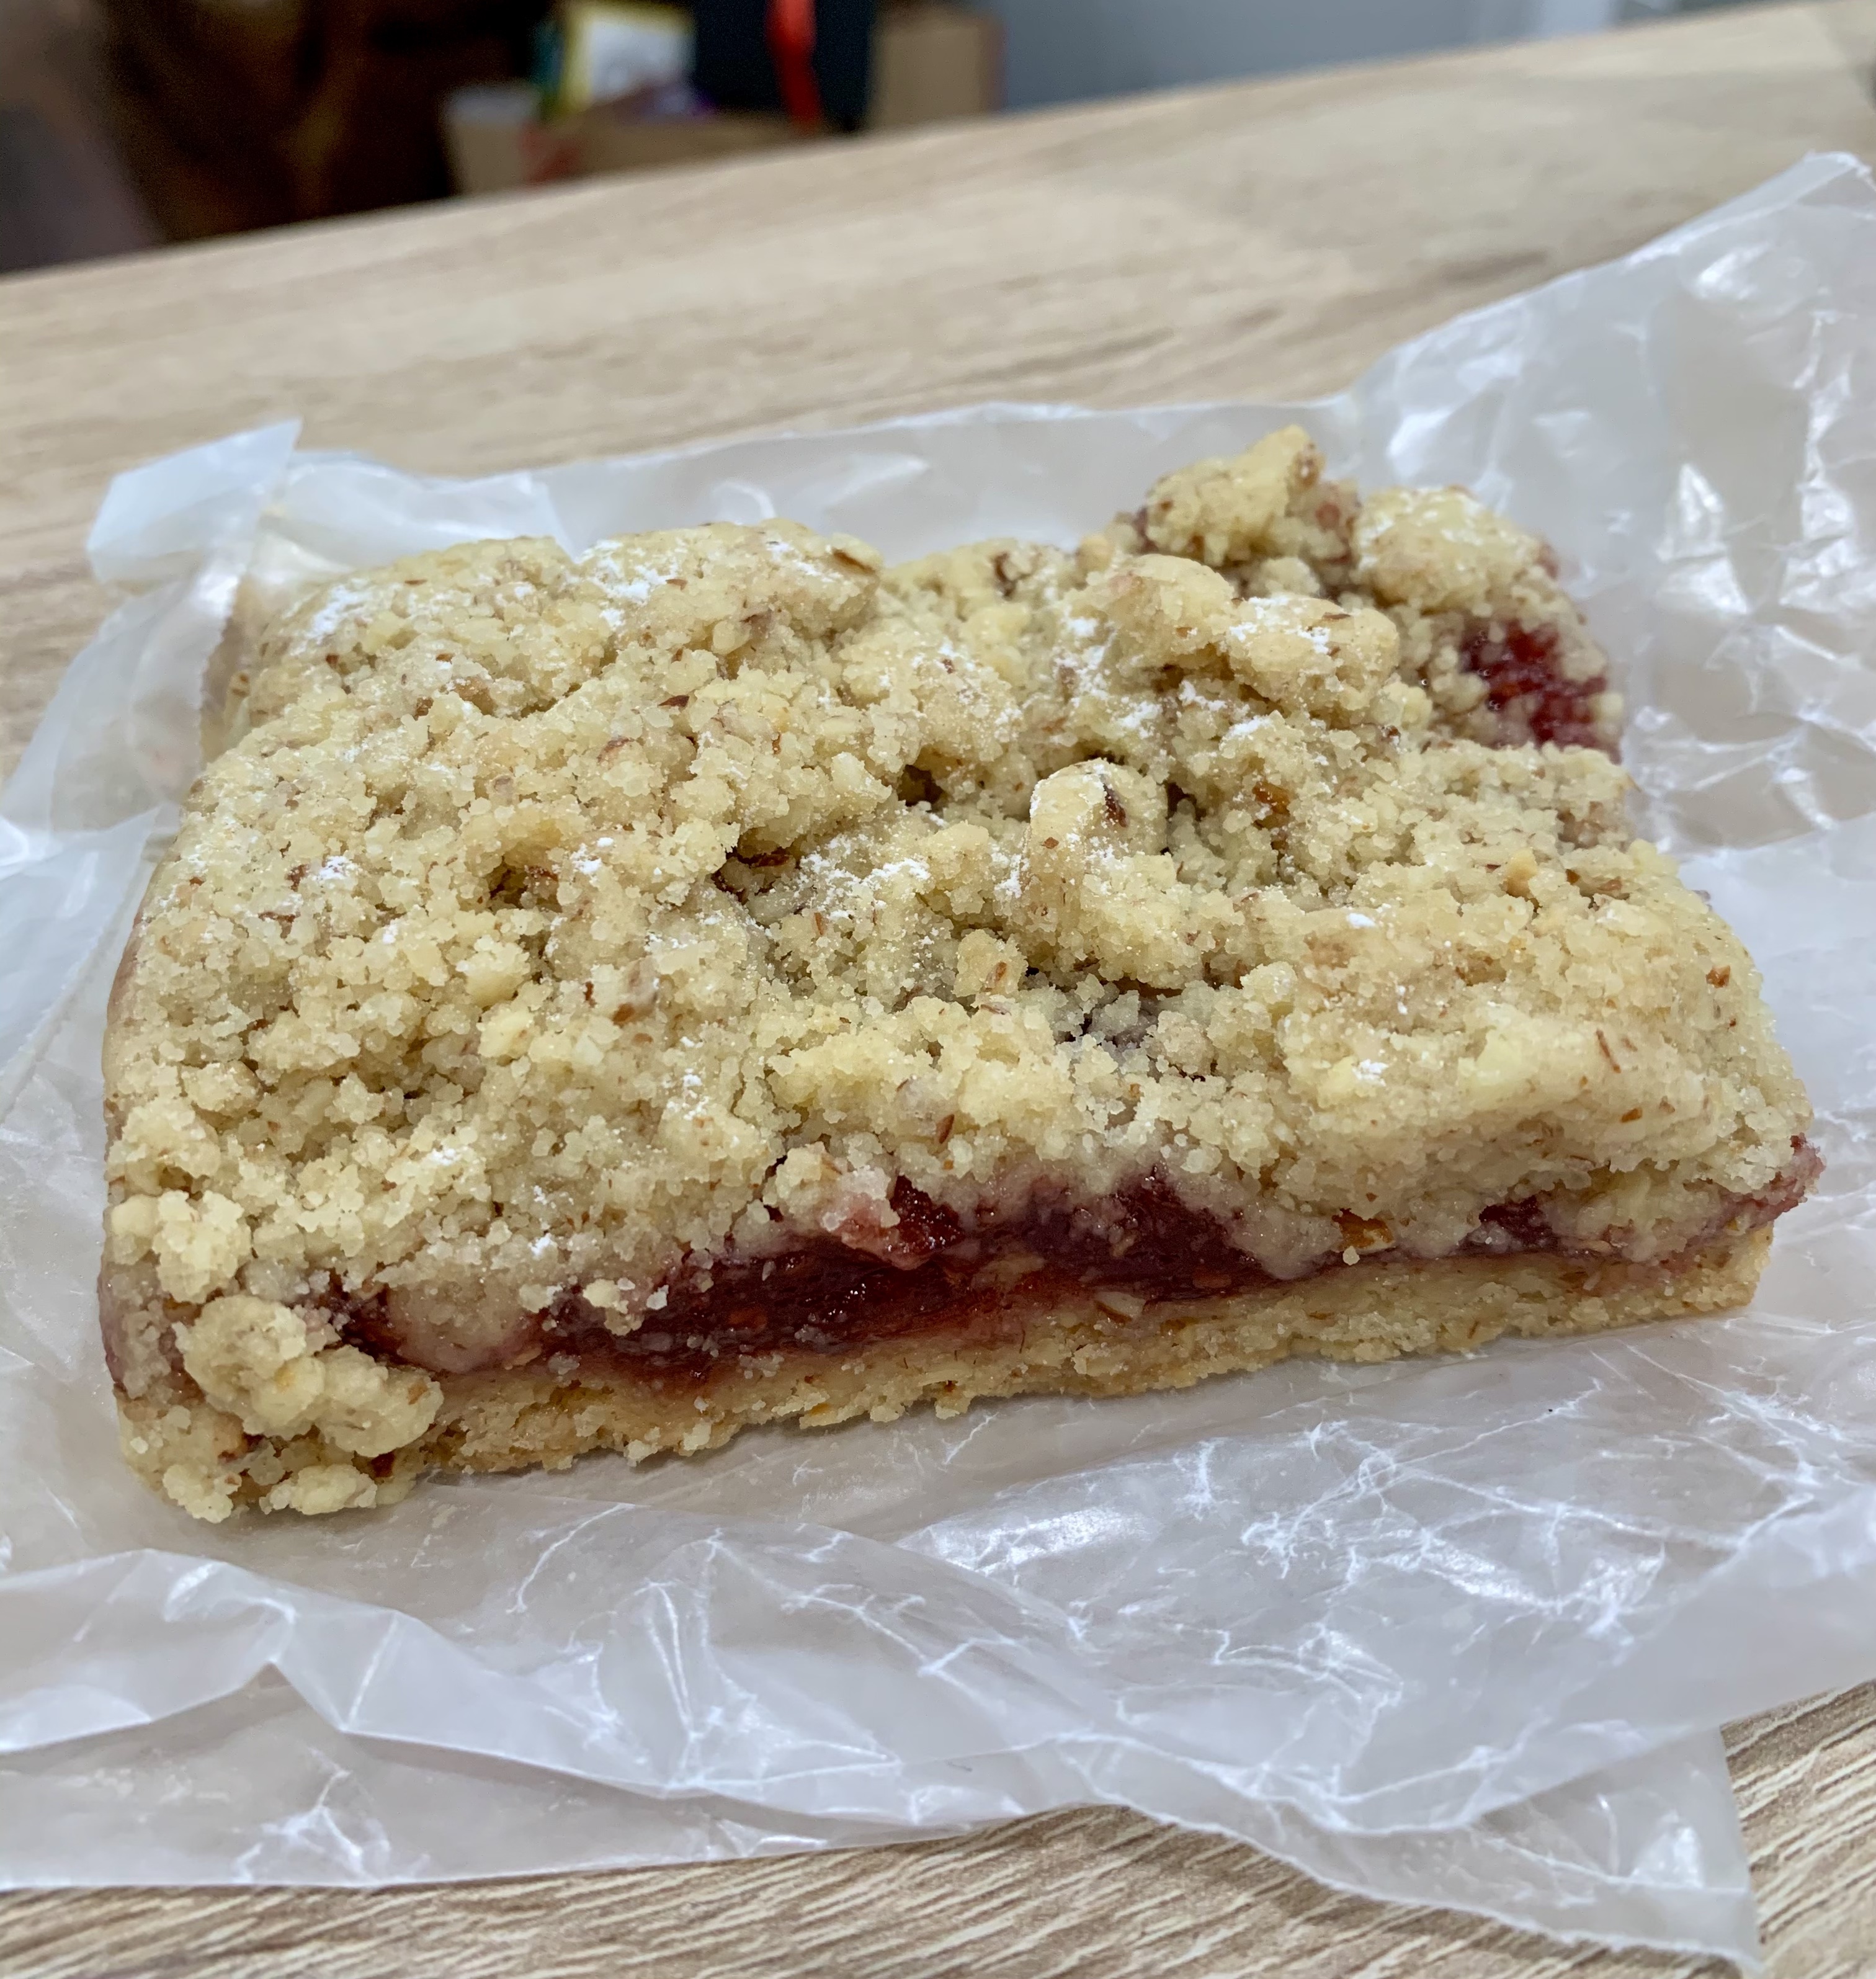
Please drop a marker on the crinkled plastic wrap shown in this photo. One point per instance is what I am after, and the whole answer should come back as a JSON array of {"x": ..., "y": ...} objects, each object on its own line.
[{"x": 1459, "y": 1632}]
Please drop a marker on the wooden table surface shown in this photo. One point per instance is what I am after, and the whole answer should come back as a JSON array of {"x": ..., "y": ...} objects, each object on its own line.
[{"x": 1261, "y": 240}]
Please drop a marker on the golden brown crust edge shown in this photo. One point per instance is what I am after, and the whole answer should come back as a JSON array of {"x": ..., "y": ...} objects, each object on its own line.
[{"x": 194, "y": 1454}]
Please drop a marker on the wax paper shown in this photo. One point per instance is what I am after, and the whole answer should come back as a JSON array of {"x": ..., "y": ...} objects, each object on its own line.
[{"x": 1457, "y": 1632}]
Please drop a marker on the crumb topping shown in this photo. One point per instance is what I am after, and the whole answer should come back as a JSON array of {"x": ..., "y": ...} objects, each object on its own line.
[
  {"x": 554, "y": 923},
  {"x": 1484, "y": 626}
]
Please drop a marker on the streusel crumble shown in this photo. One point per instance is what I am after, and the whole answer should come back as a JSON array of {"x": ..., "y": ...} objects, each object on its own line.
[{"x": 605, "y": 1002}]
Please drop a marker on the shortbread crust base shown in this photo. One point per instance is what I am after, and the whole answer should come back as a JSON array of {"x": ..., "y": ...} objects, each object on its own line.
[{"x": 509, "y": 1419}]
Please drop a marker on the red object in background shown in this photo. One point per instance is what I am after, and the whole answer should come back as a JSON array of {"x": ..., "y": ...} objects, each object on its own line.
[{"x": 791, "y": 42}]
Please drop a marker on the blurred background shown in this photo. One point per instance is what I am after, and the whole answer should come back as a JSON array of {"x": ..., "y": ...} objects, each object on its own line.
[{"x": 126, "y": 124}]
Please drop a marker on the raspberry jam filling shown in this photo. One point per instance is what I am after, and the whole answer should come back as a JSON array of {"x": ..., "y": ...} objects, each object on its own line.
[
  {"x": 1142, "y": 1249},
  {"x": 1527, "y": 690}
]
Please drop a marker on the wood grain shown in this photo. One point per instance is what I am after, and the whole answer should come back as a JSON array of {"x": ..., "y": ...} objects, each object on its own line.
[
  {"x": 1091, "y": 1894},
  {"x": 1266, "y": 240}
]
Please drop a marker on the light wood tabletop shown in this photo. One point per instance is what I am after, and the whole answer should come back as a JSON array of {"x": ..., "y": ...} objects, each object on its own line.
[{"x": 1261, "y": 240}]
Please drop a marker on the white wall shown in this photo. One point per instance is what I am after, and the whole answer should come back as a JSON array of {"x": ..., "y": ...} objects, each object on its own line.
[{"x": 1058, "y": 50}]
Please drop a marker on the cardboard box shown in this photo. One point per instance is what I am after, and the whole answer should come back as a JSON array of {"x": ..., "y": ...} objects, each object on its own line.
[
  {"x": 497, "y": 143},
  {"x": 931, "y": 60}
]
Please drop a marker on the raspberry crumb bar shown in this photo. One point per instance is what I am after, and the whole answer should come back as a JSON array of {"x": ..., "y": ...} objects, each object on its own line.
[{"x": 603, "y": 1002}]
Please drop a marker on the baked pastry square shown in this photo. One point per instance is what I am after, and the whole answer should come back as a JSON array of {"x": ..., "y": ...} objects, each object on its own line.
[{"x": 603, "y": 1002}]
